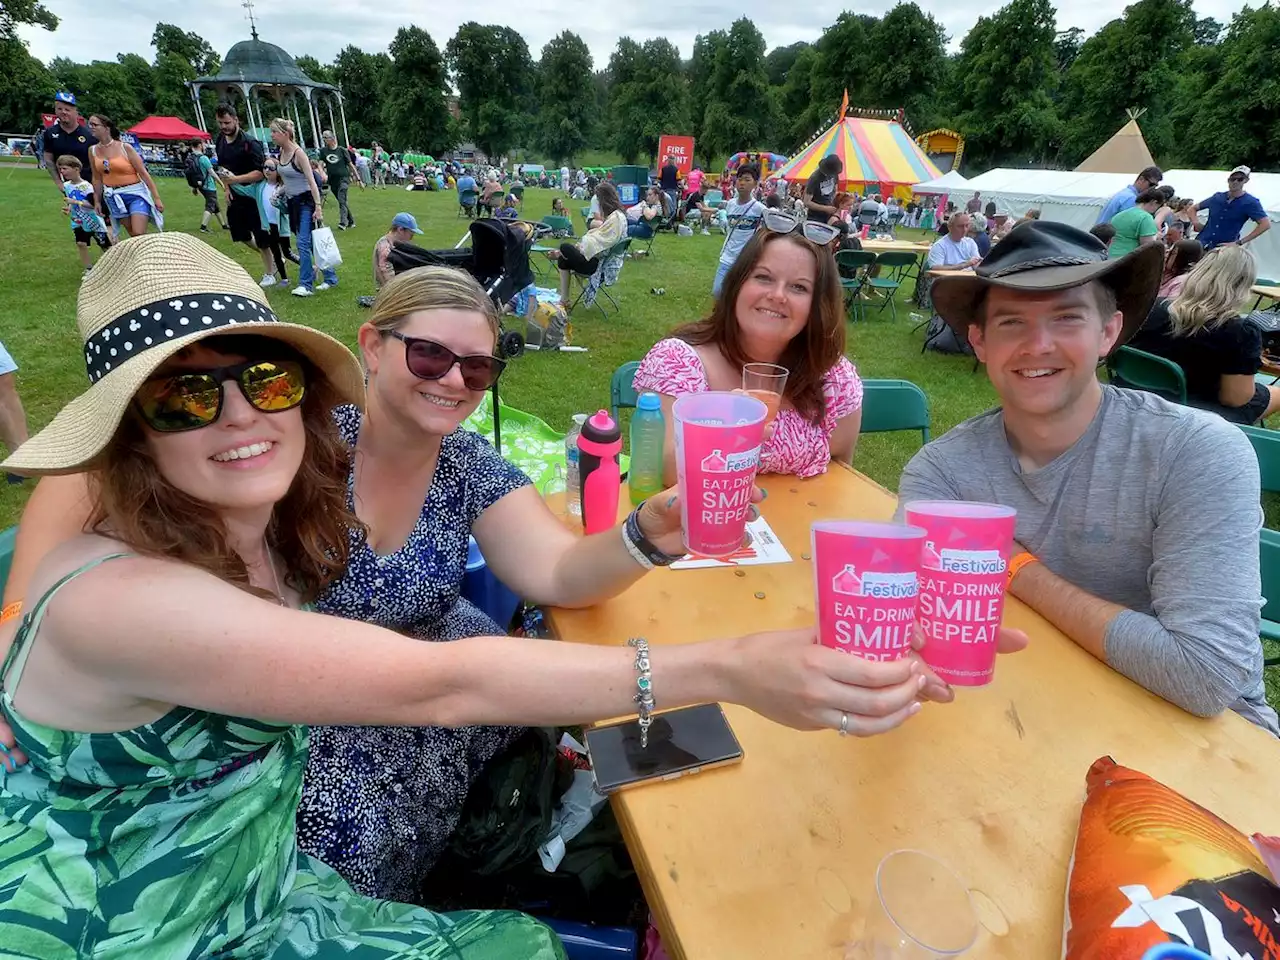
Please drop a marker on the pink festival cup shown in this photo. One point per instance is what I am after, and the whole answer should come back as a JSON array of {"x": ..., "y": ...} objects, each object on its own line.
[
  {"x": 718, "y": 438},
  {"x": 866, "y": 578},
  {"x": 963, "y": 575}
]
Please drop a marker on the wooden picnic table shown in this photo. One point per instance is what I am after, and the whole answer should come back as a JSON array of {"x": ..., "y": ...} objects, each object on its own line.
[
  {"x": 1264, "y": 290},
  {"x": 896, "y": 246},
  {"x": 775, "y": 857}
]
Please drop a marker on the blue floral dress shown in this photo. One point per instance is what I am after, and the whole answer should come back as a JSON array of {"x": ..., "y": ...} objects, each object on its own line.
[{"x": 380, "y": 803}]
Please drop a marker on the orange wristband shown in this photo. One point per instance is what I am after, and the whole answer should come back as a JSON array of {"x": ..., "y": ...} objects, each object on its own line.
[
  {"x": 10, "y": 611},
  {"x": 1020, "y": 561}
]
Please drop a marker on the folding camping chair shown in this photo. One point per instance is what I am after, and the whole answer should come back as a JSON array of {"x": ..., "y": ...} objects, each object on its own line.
[
  {"x": 561, "y": 228},
  {"x": 852, "y": 265},
  {"x": 467, "y": 203},
  {"x": 897, "y": 263},
  {"x": 606, "y": 276}
]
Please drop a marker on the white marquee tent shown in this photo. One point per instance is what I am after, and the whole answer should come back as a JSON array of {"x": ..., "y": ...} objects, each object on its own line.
[
  {"x": 949, "y": 182},
  {"x": 1075, "y": 197}
]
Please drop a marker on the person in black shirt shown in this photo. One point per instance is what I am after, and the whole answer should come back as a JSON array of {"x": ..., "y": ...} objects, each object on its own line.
[
  {"x": 1219, "y": 351},
  {"x": 669, "y": 181},
  {"x": 337, "y": 167},
  {"x": 820, "y": 191},
  {"x": 68, "y": 137},
  {"x": 240, "y": 159}
]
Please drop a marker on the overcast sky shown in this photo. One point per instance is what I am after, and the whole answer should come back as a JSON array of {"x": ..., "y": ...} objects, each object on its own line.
[{"x": 92, "y": 29}]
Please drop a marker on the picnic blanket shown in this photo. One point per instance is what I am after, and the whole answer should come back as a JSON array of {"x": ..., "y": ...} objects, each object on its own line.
[{"x": 527, "y": 442}]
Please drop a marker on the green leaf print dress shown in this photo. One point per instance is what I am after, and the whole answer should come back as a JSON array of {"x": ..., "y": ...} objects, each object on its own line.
[{"x": 176, "y": 840}]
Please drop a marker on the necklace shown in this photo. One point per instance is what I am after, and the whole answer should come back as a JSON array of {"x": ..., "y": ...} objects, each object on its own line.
[{"x": 271, "y": 562}]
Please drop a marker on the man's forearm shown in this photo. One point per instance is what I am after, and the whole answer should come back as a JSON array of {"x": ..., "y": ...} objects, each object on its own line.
[
  {"x": 1258, "y": 230},
  {"x": 1077, "y": 613}
]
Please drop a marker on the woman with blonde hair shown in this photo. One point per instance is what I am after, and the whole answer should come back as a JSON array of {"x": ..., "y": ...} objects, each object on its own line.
[
  {"x": 385, "y": 783},
  {"x": 1202, "y": 331},
  {"x": 305, "y": 204}
]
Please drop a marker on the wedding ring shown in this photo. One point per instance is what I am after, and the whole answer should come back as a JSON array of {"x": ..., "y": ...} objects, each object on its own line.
[{"x": 844, "y": 724}]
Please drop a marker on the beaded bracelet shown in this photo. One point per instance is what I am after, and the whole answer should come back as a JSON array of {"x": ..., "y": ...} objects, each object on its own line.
[{"x": 644, "y": 687}]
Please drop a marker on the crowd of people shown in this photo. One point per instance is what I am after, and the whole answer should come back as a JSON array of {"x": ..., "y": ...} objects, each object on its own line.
[{"x": 231, "y": 507}]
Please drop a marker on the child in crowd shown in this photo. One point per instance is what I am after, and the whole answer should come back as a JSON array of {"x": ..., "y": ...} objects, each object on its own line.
[
  {"x": 1104, "y": 232},
  {"x": 844, "y": 208},
  {"x": 508, "y": 209},
  {"x": 275, "y": 203},
  {"x": 80, "y": 206}
]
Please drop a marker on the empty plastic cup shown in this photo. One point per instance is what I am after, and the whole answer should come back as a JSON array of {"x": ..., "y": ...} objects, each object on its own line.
[
  {"x": 920, "y": 910},
  {"x": 717, "y": 439}
]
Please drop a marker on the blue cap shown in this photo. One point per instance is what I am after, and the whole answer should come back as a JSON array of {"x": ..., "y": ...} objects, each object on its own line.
[
  {"x": 62, "y": 96},
  {"x": 649, "y": 401},
  {"x": 405, "y": 221}
]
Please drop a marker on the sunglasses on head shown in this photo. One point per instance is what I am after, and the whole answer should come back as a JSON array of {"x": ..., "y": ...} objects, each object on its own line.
[
  {"x": 193, "y": 399},
  {"x": 776, "y": 221},
  {"x": 429, "y": 360}
]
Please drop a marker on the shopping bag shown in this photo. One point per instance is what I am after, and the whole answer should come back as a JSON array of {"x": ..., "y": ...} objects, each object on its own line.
[{"x": 324, "y": 249}]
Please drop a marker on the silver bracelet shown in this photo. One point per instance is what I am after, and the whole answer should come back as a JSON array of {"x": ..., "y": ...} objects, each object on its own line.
[{"x": 644, "y": 688}]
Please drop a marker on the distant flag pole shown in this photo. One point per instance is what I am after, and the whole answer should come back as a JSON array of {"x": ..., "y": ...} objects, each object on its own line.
[{"x": 844, "y": 105}]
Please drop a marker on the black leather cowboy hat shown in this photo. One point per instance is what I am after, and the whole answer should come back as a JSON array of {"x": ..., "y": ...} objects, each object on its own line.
[{"x": 1041, "y": 255}]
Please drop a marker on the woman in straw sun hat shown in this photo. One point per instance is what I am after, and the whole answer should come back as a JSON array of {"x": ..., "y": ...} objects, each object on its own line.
[{"x": 176, "y": 632}]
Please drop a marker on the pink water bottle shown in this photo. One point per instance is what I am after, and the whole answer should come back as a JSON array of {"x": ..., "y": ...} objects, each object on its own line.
[{"x": 599, "y": 446}]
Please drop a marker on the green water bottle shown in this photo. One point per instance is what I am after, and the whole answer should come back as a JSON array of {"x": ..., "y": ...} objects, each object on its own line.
[{"x": 648, "y": 432}]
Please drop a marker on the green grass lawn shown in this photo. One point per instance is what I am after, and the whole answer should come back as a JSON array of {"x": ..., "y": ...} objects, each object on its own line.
[{"x": 40, "y": 273}]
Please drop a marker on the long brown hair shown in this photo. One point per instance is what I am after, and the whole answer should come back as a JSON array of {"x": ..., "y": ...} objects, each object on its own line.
[
  {"x": 607, "y": 194},
  {"x": 811, "y": 353},
  {"x": 309, "y": 527}
]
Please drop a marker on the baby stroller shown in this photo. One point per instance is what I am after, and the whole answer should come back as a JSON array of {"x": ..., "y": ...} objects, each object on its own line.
[{"x": 499, "y": 259}]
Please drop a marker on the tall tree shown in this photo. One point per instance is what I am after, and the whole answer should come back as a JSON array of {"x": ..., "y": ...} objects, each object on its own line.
[
  {"x": 700, "y": 72},
  {"x": 1207, "y": 31},
  {"x": 1006, "y": 73},
  {"x": 359, "y": 76},
  {"x": 1066, "y": 47},
  {"x": 100, "y": 87},
  {"x": 737, "y": 113},
  {"x": 846, "y": 60},
  {"x": 494, "y": 75},
  {"x": 1237, "y": 118},
  {"x": 16, "y": 13},
  {"x": 172, "y": 97},
  {"x": 187, "y": 44},
  {"x": 314, "y": 69},
  {"x": 1131, "y": 62},
  {"x": 26, "y": 87},
  {"x": 780, "y": 60},
  {"x": 794, "y": 99},
  {"x": 414, "y": 87},
  {"x": 910, "y": 78},
  {"x": 566, "y": 97},
  {"x": 648, "y": 96},
  {"x": 141, "y": 80}
]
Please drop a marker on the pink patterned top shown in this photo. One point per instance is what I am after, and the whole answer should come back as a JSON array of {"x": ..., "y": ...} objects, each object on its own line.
[{"x": 673, "y": 368}]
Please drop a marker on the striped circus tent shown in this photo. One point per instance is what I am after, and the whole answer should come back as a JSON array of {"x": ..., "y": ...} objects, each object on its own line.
[{"x": 873, "y": 152}]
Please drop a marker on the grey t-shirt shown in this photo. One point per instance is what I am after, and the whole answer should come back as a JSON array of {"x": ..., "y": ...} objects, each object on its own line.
[
  {"x": 743, "y": 218},
  {"x": 1156, "y": 508}
]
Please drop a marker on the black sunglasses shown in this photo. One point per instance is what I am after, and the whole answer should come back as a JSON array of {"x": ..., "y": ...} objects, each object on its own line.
[
  {"x": 193, "y": 399},
  {"x": 428, "y": 360}
]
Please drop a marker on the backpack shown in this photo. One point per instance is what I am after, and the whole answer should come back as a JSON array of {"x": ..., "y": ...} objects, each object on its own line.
[
  {"x": 942, "y": 337},
  {"x": 191, "y": 170}
]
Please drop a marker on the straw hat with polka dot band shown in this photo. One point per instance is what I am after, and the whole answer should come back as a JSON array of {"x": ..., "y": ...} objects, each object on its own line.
[{"x": 147, "y": 298}]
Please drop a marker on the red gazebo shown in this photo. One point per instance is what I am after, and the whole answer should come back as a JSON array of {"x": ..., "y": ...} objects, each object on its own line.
[{"x": 167, "y": 128}]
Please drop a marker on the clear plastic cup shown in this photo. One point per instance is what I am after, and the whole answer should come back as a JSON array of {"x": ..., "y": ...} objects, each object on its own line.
[
  {"x": 919, "y": 910},
  {"x": 766, "y": 382}
]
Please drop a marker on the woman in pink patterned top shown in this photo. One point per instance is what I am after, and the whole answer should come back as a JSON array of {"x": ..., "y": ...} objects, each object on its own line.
[{"x": 780, "y": 304}]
